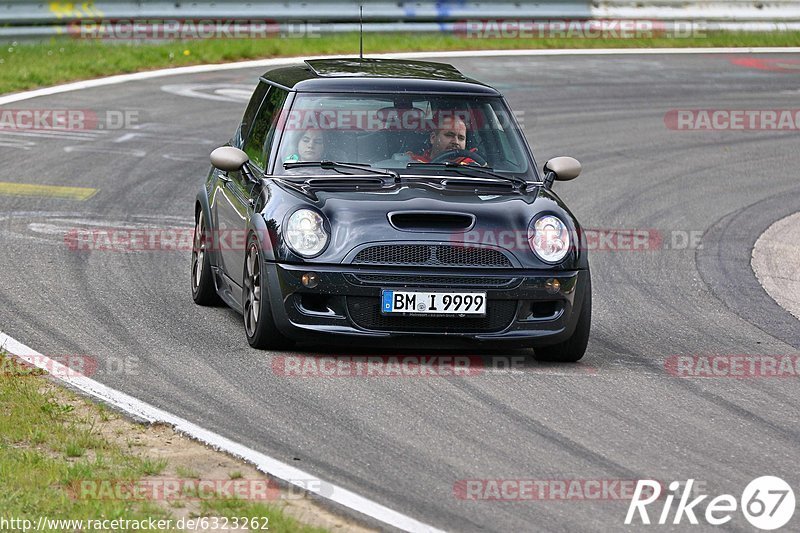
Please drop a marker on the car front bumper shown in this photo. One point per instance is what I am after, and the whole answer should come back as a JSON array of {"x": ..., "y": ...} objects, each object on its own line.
[{"x": 523, "y": 308}]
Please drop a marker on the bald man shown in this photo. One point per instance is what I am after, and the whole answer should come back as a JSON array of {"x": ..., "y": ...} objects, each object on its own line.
[{"x": 451, "y": 135}]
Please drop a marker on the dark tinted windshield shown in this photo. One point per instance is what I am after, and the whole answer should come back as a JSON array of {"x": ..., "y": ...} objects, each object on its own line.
[{"x": 391, "y": 131}]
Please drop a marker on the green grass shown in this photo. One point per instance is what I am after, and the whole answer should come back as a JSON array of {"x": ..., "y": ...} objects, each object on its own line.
[
  {"x": 153, "y": 467},
  {"x": 53, "y": 453},
  {"x": 45, "y": 456},
  {"x": 187, "y": 473},
  {"x": 234, "y": 508},
  {"x": 26, "y": 66}
]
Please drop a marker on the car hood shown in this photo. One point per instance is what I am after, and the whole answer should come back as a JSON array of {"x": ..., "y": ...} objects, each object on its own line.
[{"x": 430, "y": 213}]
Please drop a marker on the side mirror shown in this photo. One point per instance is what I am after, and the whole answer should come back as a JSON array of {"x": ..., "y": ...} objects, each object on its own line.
[
  {"x": 564, "y": 168},
  {"x": 228, "y": 158}
]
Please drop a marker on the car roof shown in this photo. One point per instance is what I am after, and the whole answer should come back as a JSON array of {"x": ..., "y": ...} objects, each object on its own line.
[{"x": 375, "y": 75}]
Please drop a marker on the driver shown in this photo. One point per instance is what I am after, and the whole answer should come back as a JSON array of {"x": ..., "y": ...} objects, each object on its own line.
[{"x": 451, "y": 135}]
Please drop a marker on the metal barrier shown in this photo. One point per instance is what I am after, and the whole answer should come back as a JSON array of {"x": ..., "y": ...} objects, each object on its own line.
[
  {"x": 27, "y": 12},
  {"x": 739, "y": 11},
  {"x": 30, "y": 19}
]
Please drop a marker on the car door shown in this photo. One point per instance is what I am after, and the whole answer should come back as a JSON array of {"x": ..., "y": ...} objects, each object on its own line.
[{"x": 235, "y": 205}]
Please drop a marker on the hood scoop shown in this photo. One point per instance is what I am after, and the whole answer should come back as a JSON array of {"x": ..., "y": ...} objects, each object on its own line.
[
  {"x": 344, "y": 182},
  {"x": 431, "y": 221}
]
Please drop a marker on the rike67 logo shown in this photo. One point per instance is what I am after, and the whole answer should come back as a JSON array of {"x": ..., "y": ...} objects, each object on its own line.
[{"x": 767, "y": 502}]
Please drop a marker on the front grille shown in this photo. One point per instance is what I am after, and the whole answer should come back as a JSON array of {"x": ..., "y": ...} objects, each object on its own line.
[
  {"x": 432, "y": 255},
  {"x": 385, "y": 280},
  {"x": 366, "y": 313}
]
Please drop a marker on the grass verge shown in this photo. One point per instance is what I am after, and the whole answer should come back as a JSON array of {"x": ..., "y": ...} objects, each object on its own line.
[
  {"x": 57, "y": 448},
  {"x": 27, "y": 66}
]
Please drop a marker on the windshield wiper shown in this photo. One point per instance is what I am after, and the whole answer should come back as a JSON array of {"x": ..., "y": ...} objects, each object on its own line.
[
  {"x": 460, "y": 169},
  {"x": 337, "y": 166}
]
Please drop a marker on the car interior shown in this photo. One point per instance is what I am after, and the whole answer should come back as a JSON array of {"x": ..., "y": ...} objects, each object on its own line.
[{"x": 402, "y": 127}]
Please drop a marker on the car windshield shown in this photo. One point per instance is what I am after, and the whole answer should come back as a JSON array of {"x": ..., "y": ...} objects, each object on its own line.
[{"x": 402, "y": 132}]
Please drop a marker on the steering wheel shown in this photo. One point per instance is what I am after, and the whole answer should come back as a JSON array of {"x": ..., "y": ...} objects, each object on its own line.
[{"x": 454, "y": 154}]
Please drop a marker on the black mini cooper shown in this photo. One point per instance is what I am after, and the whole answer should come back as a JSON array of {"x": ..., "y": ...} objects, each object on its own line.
[{"x": 368, "y": 199}]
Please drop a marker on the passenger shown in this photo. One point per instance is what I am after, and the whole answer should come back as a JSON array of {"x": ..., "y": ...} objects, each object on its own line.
[
  {"x": 451, "y": 135},
  {"x": 310, "y": 147}
]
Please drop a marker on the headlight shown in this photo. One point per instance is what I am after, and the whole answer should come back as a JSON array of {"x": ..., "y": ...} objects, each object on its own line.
[
  {"x": 305, "y": 232},
  {"x": 549, "y": 238}
]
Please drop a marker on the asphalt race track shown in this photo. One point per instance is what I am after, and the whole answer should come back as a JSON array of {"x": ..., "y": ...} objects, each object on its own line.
[{"x": 620, "y": 414}]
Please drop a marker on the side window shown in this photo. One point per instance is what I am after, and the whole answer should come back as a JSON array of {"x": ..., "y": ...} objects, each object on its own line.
[
  {"x": 263, "y": 128},
  {"x": 250, "y": 113}
]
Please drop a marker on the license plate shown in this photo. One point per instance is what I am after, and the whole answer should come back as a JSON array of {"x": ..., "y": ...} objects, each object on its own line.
[{"x": 433, "y": 303}]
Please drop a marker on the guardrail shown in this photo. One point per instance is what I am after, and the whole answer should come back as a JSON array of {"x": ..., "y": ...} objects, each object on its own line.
[
  {"x": 22, "y": 12},
  {"x": 31, "y": 19},
  {"x": 741, "y": 11}
]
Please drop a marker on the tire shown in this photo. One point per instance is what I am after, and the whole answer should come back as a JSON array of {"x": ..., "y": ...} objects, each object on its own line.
[
  {"x": 572, "y": 349},
  {"x": 204, "y": 292},
  {"x": 259, "y": 325}
]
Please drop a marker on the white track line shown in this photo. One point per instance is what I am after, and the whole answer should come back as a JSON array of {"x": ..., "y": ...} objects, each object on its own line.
[
  {"x": 123, "y": 78},
  {"x": 266, "y": 464},
  {"x": 142, "y": 410}
]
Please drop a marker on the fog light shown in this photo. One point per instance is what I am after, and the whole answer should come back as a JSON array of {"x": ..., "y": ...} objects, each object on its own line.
[
  {"x": 310, "y": 280},
  {"x": 552, "y": 286}
]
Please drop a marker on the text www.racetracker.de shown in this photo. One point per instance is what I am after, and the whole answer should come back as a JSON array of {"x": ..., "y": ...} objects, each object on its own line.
[{"x": 216, "y": 523}]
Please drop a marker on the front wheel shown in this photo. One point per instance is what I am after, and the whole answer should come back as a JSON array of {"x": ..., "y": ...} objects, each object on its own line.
[
  {"x": 258, "y": 322},
  {"x": 572, "y": 349}
]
